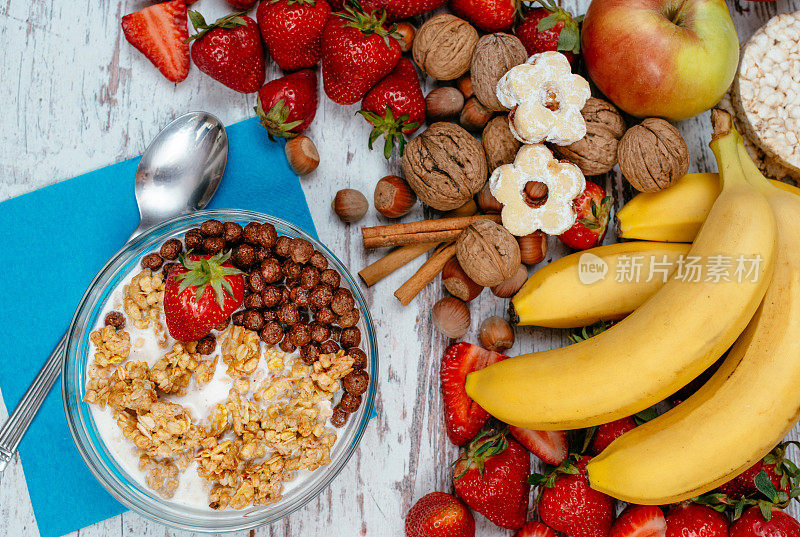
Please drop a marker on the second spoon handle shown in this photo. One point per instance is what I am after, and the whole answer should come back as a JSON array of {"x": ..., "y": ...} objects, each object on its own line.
[{"x": 20, "y": 419}]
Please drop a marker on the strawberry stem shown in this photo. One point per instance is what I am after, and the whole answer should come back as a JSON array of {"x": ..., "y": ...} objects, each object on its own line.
[
  {"x": 487, "y": 444},
  {"x": 391, "y": 128},
  {"x": 202, "y": 272},
  {"x": 202, "y": 28},
  {"x": 275, "y": 122}
]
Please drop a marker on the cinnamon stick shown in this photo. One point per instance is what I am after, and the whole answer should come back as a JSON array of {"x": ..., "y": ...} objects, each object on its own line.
[
  {"x": 447, "y": 235},
  {"x": 378, "y": 236},
  {"x": 426, "y": 273},
  {"x": 392, "y": 261}
]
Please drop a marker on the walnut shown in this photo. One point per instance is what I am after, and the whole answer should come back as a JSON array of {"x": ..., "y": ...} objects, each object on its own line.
[
  {"x": 445, "y": 166},
  {"x": 494, "y": 56},
  {"x": 500, "y": 145},
  {"x": 443, "y": 47},
  {"x": 595, "y": 153},
  {"x": 488, "y": 253},
  {"x": 653, "y": 155}
]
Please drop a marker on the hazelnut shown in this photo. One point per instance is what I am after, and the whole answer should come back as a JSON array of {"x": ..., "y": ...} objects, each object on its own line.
[
  {"x": 350, "y": 205},
  {"x": 468, "y": 209},
  {"x": 533, "y": 247},
  {"x": 496, "y": 334},
  {"x": 444, "y": 104},
  {"x": 393, "y": 197},
  {"x": 406, "y": 31},
  {"x": 464, "y": 85},
  {"x": 509, "y": 288},
  {"x": 302, "y": 155},
  {"x": 487, "y": 202},
  {"x": 474, "y": 116},
  {"x": 458, "y": 283},
  {"x": 451, "y": 317},
  {"x": 535, "y": 193}
]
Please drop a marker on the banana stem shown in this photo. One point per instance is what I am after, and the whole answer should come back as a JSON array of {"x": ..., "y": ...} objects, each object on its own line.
[{"x": 724, "y": 144}]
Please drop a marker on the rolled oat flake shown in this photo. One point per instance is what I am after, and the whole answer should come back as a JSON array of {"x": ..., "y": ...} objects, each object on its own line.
[{"x": 766, "y": 92}]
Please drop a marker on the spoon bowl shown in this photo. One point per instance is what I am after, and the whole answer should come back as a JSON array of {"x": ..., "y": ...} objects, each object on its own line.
[{"x": 180, "y": 169}]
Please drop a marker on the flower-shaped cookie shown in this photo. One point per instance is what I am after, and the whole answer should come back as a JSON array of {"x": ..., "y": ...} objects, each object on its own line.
[
  {"x": 564, "y": 181},
  {"x": 545, "y": 99}
]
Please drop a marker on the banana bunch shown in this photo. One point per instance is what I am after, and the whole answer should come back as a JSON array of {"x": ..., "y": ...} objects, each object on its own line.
[
  {"x": 746, "y": 408},
  {"x": 666, "y": 342}
]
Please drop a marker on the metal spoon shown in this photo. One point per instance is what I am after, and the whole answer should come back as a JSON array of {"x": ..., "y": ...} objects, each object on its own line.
[{"x": 179, "y": 173}]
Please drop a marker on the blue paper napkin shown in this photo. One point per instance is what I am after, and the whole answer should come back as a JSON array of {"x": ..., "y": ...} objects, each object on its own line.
[{"x": 53, "y": 241}]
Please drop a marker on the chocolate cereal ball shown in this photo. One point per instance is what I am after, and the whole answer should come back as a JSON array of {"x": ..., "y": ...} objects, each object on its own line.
[
  {"x": 206, "y": 345},
  {"x": 256, "y": 282},
  {"x": 232, "y": 233},
  {"x": 351, "y": 337},
  {"x": 359, "y": 358},
  {"x": 330, "y": 278},
  {"x": 326, "y": 316},
  {"x": 288, "y": 314},
  {"x": 253, "y": 320},
  {"x": 282, "y": 246},
  {"x": 115, "y": 319},
  {"x": 243, "y": 255},
  {"x": 193, "y": 239},
  {"x": 300, "y": 334},
  {"x": 350, "y": 402},
  {"x": 171, "y": 249},
  {"x": 271, "y": 296},
  {"x": 250, "y": 233},
  {"x": 286, "y": 345},
  {"x": 212, "y": 228},
  {"x": 319, "y": 332},
  {"x": 266, "y": 235},
  {"x": 301, "y": 250},
  {"x": 349, "y": 319},
  {"x": 152, "y": 261},
  {"x": 213, "y": 245},
  {"x": 299, "y": 296},
  {"x": 272, "y": 333},
  {"x": 271, "y": 270},
  {"x": 339, "y": 417},
  {"x": 329, "y": 347},
  {"x": 309, "y": 277},
  {"x": 253, "y": 301},
  {"x": 356, "y": 382},
  {"x": 309, "y": 353},
  {"x": 319, "y": 261},
  {"x": 342, "y": 301}
]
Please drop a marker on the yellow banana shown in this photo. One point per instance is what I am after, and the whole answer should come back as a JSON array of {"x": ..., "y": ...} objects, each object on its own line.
[
  {"x": 676, "y": 213},
  {"x": 746, "y": 408},
  {"x": 661, "y": 346},
  {"x": 589, "y": 286}
]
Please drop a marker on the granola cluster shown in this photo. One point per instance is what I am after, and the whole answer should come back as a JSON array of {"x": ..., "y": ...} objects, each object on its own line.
[
  {"x": 143, "y": 300},
  {"x": 249, "y": 445}
]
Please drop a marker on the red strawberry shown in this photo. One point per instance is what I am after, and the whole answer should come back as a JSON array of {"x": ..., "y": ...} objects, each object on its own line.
[
  {"x": 695, "y": 520},
  {"x": 491, "y": 476},
  {"x": 783, "y": 477},
  {"x": 401, "y": 9},
  {"x": 550, "y": 28},
  {"x": 439, "y": 515},
  {"x": 200, "y": 295},
  {"x": 242, "y": 5},
  {"x": 395, "y": 106},
  {"x": 159, "y": 32},
  {"x": 292, "y": 30},
  {"x": 535, "y": 529},
  {"x": 568, "y": 504},
  {"x": 640, "y": 521},
  {"x": 608, "y": 432},
  {"x": 463, "y": 417},
  {"x": 287, "y": 106},
  {"x": 550, "y": 446},
  {"x": 229, "y": 51},
  {"x": 358, "y": 50},
  {"x": 753, "y": 523},
  {"x": 488, "y": 15},
  {"x": 592, "y": 208}
]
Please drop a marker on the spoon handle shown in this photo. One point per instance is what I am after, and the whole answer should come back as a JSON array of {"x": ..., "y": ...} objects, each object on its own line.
[{"x": 20, "y": 419}]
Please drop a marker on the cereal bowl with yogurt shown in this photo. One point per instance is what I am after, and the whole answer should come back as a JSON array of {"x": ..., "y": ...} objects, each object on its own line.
[{"x": 219, "y": 371}]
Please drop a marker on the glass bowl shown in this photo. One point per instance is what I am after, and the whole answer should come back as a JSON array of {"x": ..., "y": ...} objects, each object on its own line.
[{"x": 89, "y": 442}]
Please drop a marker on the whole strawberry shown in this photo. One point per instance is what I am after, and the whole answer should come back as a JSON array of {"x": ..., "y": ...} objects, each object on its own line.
[
  {"x": 292, "y": 30},
  {"x": 242, "y": 5},
  {"x": 535, "y": 529},
  {"x": 488, "y": 15},
  {"x": 439, "y": 515},
  {"x": 358, "y": 50},
  {"x": 287, "y": 106},
  {"x": 401, "y": 9},
  {"x": 395, "y": 106},
  {"x": 769, "y": 522},
  {"x": 695, "y": 520},
  {"x": 491, "y": 476},
  {"x": 463, "y": 418},
  {"x": 229, "y": 51},
  {"x": 550, "y": 27},
  {"x": 568, "y": 504},
  {"x": 159, "y": 32},
  {"x": 608, "y": 432},
  {"x": 592, "y": 209},
  {"x": 201, "y": 294}
]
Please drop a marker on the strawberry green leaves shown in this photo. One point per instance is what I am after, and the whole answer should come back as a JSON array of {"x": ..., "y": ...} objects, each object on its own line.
[
  {"x": 204, "y": 272},
  {"x": 570, "y": 38}
]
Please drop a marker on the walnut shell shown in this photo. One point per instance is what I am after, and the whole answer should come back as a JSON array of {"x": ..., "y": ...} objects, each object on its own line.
[
  {"x": 653, "y": 155},
  {"x": 499, "y": 144},
  {"x": 494, "y": 56},
  {"x": 444, "y": 45},
  {"x": 595, "y": 153},
  {"x": 488, "y": 253},
  {"x": 445, "y": 166}
]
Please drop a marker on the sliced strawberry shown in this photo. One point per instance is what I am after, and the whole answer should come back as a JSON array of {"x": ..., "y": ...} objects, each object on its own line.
[
  {"x": 535, "y": 529},
  {"x": 640, "y": 521},
  {"x": 159, "y": 32},
  {"x": 463, "y": 417},
  {"x": 550, "y": 446}
]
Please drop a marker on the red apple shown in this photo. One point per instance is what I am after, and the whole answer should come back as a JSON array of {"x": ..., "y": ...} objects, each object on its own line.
[{"x": 660, "y": 57}]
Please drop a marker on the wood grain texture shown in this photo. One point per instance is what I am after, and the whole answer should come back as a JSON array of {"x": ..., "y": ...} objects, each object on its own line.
[{"x": 78, "y": 97}]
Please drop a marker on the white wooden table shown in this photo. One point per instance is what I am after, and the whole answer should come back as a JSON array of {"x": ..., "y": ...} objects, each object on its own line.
[{"x": 77, "y": 97}]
